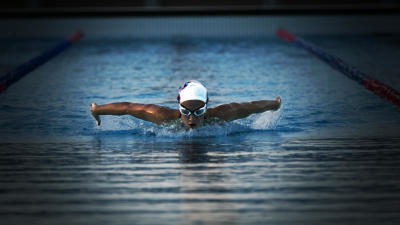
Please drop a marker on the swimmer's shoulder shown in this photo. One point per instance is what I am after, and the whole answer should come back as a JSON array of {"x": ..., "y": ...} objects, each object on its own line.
[
  {"x": 211, "y": 113},
  {"x": 220, "y": 113},
  {"x": 164, "y": 114}
]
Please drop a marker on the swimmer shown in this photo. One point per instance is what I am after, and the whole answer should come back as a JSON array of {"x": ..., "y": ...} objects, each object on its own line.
[{"x": 193, "y": 111}]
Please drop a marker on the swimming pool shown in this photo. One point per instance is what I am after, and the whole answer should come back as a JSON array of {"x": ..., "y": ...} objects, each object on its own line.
[{"x": 329, "y": 154}]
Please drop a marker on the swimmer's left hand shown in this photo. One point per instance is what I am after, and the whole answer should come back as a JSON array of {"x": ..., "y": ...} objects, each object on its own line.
[{"x": 278, "y": 99}]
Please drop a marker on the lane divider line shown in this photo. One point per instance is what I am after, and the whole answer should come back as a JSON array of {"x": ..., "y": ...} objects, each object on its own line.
[
  {"x": 19, "y": 72},
  {"x": 382, "y": 90}
]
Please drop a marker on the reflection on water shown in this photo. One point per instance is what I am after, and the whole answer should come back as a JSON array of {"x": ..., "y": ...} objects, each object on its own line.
[
  {"x": 193, "y": 152},
  {"x": 230, "y": 180},
  {"x": 203, "y": 181},
  {"x": 58, "y": 167}
]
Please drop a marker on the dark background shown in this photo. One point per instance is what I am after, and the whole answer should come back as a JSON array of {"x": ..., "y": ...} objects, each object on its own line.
[{"x": 43, "y": 4}]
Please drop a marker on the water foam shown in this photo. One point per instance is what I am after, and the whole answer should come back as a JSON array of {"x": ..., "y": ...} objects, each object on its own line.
[{"x": 126, "y": 124}]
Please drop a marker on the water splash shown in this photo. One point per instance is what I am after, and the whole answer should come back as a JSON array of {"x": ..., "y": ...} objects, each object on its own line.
[
  {"x": 266, "y": 121},
  {"x": 126, "y": 124}
]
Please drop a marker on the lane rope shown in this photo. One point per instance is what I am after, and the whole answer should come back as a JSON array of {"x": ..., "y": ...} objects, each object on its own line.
[
  {"x": 19, "y": 72},
  {"x": 382, "y": 90}
]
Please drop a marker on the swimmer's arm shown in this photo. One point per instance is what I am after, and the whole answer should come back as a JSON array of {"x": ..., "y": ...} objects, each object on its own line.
[
  {"x": 234, "y": 111},
  {"x": 149, "y": 112}
]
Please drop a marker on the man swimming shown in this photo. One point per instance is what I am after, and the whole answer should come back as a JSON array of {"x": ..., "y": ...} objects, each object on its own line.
[{"x": 193, "y": 112}]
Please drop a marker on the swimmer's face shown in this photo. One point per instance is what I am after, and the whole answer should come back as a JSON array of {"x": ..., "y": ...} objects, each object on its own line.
[{"x": 192, "y": 121}]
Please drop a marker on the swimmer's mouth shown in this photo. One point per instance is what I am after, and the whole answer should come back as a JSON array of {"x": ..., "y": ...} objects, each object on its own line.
[{"x": 192, "y": 126}]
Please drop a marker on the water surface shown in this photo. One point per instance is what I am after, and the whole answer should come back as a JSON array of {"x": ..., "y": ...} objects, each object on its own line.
[{"x": 329, "y": 155}]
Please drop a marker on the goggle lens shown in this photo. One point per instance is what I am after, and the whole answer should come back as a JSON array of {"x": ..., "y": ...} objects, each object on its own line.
[
  {"x": 184, "y": 111},
  {"x": 198, "y": 112}
]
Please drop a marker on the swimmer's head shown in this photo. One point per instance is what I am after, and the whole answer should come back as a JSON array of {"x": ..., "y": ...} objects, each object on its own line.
[
  {"x": 192, "y": 90},
  {"x": 193, "y": 101}
]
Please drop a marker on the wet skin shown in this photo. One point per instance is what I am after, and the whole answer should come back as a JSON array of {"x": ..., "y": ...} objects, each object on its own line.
[
  {"x": 192, "y": 121},
  {"x": 160, "y": 114}
]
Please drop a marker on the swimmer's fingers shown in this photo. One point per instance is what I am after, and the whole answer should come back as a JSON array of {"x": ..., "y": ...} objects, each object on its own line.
[
  {"x": 97, "y": 117},
  {"x": 278, "y": 99},
  {"x": 94, "y": 114}
]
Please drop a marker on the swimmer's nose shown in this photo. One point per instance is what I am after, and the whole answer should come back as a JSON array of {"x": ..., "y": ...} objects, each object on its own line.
[{"x": 191, "y": 117}]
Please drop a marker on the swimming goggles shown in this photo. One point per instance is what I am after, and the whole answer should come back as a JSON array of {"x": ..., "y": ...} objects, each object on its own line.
[{"x": 198, "y": 112}]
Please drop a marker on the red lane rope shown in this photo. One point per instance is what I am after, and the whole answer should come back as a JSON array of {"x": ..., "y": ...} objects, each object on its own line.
[
  {"x": 382, "y": 90},
  {"x": 286, "y": 35},
  {"x": 75, "y": 36}
]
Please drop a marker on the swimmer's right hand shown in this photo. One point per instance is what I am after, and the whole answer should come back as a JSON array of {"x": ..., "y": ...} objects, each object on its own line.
[{"x": 97, "y": 117}]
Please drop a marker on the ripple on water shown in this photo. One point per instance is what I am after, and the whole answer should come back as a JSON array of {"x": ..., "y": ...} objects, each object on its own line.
[{"x": 208, "y": 180}]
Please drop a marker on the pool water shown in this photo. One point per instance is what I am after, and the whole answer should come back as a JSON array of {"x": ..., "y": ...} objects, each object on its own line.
[{"x": 328, "y": 155}]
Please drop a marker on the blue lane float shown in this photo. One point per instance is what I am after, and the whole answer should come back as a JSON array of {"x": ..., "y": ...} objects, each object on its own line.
[
  {"x": 382, "y": 90},
  {"x": 19, "y": 72}
]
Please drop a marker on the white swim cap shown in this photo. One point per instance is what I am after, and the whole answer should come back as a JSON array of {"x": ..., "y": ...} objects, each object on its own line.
[{"x": 192, "y": 90}]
